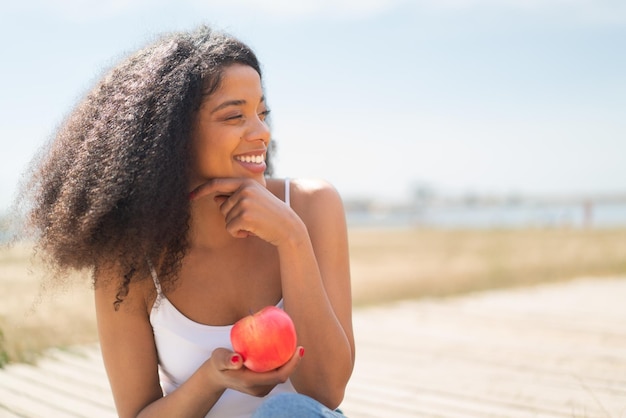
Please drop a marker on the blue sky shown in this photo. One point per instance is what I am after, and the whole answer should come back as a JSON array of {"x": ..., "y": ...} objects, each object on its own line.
[{"x": 507, "y": 96}]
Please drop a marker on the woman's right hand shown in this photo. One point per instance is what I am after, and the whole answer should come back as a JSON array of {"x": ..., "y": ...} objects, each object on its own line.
[{"x": 228, "y": 369}]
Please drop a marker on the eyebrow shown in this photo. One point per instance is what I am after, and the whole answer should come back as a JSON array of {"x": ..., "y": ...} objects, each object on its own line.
[{"x": 228, "y": 103}]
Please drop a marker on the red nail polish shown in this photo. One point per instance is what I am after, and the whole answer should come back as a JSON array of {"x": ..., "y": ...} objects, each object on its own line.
[
  {"x": 301, "y": 352},
  {"x": 235, "y": 359}
]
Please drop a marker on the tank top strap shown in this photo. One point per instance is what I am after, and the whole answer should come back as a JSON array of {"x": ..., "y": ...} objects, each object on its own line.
[
  {"x": 287, "y": 192},
  {"x": 155, "y": 278}
]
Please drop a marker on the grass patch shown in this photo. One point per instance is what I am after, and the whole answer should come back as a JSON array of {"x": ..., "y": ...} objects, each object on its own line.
[
  {"x": 413, "y": 263},
  {"x": 387, "y": 264},
  {"x": 4, "y": 356},
  {"x": 34, "y": 315}
]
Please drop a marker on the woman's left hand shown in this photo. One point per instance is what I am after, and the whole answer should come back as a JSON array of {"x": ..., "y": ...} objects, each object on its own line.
[{"x": 250, "y": 209}]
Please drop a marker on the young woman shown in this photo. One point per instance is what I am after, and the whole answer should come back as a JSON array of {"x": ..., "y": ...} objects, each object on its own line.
[{"x": 158, "y": 182}]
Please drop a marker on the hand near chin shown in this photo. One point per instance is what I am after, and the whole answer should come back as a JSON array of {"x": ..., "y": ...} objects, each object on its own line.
[
  {"x": 228, "y": 368},
  {"x": 250, "y": 209}
]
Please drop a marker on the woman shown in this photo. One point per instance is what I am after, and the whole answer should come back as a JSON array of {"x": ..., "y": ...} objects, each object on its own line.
[{"x": 157, "y": 182}]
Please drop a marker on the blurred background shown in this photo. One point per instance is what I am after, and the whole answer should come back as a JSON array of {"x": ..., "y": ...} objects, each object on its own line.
[
  {"x": 403, "y": 105},
  {"x": 476, "y": 143}
]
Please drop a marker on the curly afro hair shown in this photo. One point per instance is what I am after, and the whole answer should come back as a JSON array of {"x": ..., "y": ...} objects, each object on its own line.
[{"x": 111, "y": 187}]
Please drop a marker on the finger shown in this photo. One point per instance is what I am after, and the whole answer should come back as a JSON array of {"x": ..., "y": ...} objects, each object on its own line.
[
  {"x": 217, "y": 186},
  {"x": 239, "y": 214},
  {"x": 220, "y": 199},
  {"x": 298, "y": 355},
  {"x": 281, "y": 374},
  {"x": 293, "y": 362},
  {"x": 242, "y": 197},
  {"x": 227, "y": 360},
  {"x": 239, "y": 228},
  {"x": 235, "y": 362},
  {"x": 227, "y": 202}
]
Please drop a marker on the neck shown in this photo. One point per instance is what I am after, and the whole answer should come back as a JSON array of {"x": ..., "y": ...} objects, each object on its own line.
[{"x": 207, "y": 229}]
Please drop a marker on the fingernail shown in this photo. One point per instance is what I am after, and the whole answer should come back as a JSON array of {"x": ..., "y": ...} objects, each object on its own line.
[
  {"x": 192, "y": 194},
  {"x": 235, "y": 359},
  {"x": 301, "y": 352}
]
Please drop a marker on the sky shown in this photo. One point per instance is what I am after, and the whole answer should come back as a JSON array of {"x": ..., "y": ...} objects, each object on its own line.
[{"x": 379, "y": 97}]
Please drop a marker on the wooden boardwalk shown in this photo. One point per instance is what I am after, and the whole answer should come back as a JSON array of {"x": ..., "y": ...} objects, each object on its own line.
[{"x": 555, "y": 350}]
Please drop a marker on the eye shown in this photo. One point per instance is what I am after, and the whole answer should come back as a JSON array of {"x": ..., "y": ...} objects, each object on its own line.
[
  {"x": 264, "y": 114},
  {"x": 233, "y": 117}
]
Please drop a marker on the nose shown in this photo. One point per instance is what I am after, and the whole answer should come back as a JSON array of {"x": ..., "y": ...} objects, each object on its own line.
[{"x": 258, "y": 130}]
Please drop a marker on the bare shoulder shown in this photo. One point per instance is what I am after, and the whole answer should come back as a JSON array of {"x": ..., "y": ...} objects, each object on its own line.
[
  {"x": 316, "y": 201},
  {"x": 313, "y": 189},
  {"x": 303, "y": 189},
  {"x": 138, "y": 299},
  {"x": 127, "y": 343}
]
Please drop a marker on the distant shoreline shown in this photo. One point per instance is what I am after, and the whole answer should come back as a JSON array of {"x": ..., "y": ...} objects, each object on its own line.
[{"x": 518, "y": 215}]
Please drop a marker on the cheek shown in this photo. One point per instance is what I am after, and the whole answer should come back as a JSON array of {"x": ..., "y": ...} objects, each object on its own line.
[
  {"x": 210, "y": 158},
  {"x": 204, "y": 159},
  {"x": 212, "y": 147},
  {"x": 200, "y": 157}
]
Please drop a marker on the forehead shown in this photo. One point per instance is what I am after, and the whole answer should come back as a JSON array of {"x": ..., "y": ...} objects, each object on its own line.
[{"x": 238, "y": 82}]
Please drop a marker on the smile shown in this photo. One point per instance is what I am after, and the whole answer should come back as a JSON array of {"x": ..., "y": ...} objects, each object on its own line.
[{"x": 254, "y": 159}]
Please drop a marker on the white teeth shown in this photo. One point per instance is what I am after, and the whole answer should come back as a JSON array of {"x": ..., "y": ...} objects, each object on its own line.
[{"x": 257, "y": 159}]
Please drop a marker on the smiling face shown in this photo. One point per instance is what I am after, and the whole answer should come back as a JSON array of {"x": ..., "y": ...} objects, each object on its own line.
[{"x": 230, "y": 135}]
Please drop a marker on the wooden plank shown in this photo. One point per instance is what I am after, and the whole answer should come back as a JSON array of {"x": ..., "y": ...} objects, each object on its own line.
[
  {"x": 553, "y": 351},
  {"x": 5, "y": 413},
  {"x": 528, "y": 352},
  {"x": 14, "y": 402},
  {"x": 74, "y": 374},
  {"x": 65, "y": 404},
  {"x": 78, "y": 390}
]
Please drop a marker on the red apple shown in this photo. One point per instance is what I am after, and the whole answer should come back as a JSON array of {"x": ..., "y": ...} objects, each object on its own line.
[{"x": 265, "y": 340}]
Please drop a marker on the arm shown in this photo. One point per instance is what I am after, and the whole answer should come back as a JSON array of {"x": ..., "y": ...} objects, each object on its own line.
[
  {"x": 316, "y": 288},
  {"x": 311, "y": 240},
  {"x": 130, "y": 359}
]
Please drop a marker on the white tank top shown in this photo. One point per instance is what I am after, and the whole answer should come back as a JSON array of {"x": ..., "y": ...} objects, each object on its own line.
[{"x": 184, "y": 345}]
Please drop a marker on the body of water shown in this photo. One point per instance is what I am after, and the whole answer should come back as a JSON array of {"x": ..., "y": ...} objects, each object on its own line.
[{"x": 605, "y": 215}]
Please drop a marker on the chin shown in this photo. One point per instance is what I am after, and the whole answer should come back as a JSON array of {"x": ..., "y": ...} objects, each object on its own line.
[{"x": 262, "y": 180}]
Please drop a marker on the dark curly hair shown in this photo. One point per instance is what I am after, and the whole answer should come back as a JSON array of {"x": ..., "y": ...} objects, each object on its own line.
[{"x": 111, "y": 187}]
